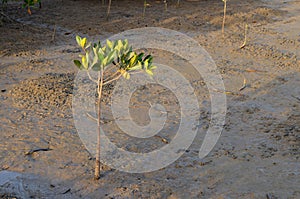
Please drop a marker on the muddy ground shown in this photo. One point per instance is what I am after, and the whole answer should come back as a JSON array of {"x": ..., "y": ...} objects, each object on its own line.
[{"x": 257, "y": 155}]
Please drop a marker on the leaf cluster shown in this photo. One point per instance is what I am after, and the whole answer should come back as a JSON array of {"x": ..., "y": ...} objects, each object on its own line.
[
  {"x": 118, "y": 53},
  {"x": 30, "y": 3}
]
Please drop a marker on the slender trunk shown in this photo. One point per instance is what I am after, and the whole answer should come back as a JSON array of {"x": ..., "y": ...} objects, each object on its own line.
[
  {"x": 108, "y": 9},
  {"x": 144, "y": 10},
  {"x": 97, "y": 164},
  {"x": 223, "y": 24}
]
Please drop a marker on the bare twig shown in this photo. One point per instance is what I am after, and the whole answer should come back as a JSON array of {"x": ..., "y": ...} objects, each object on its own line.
[
  {"x": 91, "y": 117},
  {"x": 54, "y": 32},
  {"x": 108, "y": 9},
  {"x": 245, "y": 39},
  {"x": 114, "y": 79},
  {"x": 297, "y": 98},
  {"x": 166, "y": 5},
  {"x": 7, "y": 17},
  {"x": 244, "y": 84},
  {"x": 90, "y": 77},
  {"x": 37, "y": 150},
  {"x": 227, "y": 92},
  {"x": 223, "y": 24},
  {"x": 111, "y": 76},
  {"x": 144, "y": 9},
  {"x": 254, "y": 71}
]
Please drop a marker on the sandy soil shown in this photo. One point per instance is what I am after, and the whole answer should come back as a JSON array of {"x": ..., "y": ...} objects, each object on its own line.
[{"x": 257, "y": 155}]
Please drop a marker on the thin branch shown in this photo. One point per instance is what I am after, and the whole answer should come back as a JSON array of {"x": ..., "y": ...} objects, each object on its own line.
[
  {"x": 244, "y": 84},
  {"x": 91, "y": 117},
  {"x": 53, "y": 35},
  {"x": 109, "y": 68},
  {"x": 108, "y": 9},
  {"x": 245, "y": 39},
  {"x": 7, "y": 17},
  {"x": 223, "y": 24},
  {"x": 135, "y": 72},
  {"x": 112, "y": 76},
  {"x": 114, "y": 79},
  {"x": 90, "y": 77}
]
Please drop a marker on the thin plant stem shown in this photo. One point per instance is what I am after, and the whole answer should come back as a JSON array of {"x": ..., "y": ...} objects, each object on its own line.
[
  {"x": 90, "y": 77},
  {"x": 245, "y": 37},
  {"x": 111, "y": 76},
  {"x": 114, "y": 79},
  {"x": 144, "y": 10},
  {"x": 108, "y": 9},
  {"x": 97, "y": 164},
  {"x": 224, "y": 17}
]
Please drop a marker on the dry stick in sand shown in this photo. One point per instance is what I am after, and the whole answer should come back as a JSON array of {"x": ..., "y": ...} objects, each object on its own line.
[
  {"x": 108, "y": 9},
  {"x": 166, "y": 5},
  {"x": 245, "y": 39},
  {"x": 223, "y": 24},
  {"x": 7, "y": 17},
  {"x": 54, "y": 32},
  {"x": 144, "y": 10},
  {"x": 244, "y": 84}
]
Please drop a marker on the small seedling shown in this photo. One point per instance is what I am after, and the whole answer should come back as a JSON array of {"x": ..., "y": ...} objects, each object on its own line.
[
  {"x": 117, "y": 56},
  {"x": 30, "y": 3}
]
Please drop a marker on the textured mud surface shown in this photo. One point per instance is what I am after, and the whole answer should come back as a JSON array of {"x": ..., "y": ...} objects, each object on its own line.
[{"x": 257, "y": 156}]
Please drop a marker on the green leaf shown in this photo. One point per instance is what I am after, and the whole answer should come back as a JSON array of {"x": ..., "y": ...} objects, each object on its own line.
[
  {"x": 147, "y": 57},
  {"x": 140, "y": 56},
  {"x": 133, "y": 60},
  {"x": 109, "y": 44},
  {"x": 83, "y": 42},
  {"x": 138, "y": 66},
  {"x": 105, "y": 61},
  {"x": 78, "y": 64},
  {"x": 85, "y": 61},
  {"x": 78, "y": 39},
  {"x": 96, "y": 67},
  {"x": 152, "y": 67},
  {"x": 100, "y": 56},
  {"x": 111, "y": 57},
  {"x": 146, "y": 64},
  {"x": 149, "y": 72}
]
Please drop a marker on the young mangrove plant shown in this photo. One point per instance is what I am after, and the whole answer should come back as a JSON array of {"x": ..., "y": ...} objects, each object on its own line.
[
  {"x": 31, "y": 3},
  {"x": 112, "y": 61}
]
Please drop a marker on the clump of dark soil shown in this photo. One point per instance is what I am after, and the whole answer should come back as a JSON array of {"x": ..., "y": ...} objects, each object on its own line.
[{"x": 52, "y": 90}]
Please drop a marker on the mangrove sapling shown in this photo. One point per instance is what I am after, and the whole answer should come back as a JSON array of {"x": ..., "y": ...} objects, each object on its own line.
[
  {"x": 117, "y": 56},
  {"x": 31, "y": 3}
]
